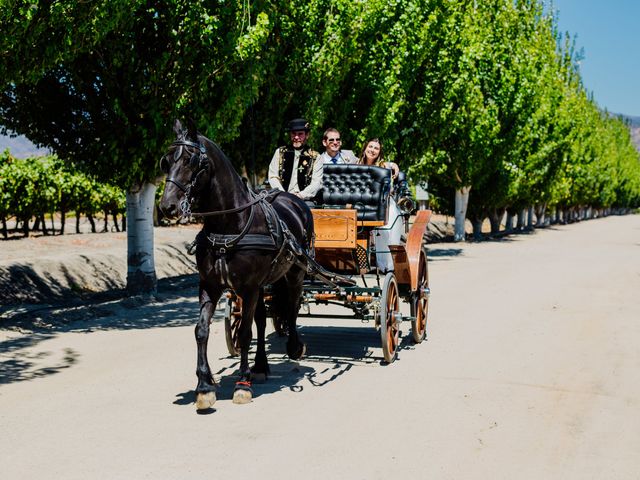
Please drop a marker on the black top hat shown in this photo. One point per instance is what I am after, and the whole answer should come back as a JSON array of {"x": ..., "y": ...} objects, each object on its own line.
[{"x": 297, "y": 124}]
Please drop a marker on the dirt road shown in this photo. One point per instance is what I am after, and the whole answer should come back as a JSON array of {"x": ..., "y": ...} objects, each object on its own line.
[{"x": 530, "y": 371}]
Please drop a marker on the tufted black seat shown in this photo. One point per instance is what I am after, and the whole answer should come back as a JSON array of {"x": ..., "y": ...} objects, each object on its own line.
[{"x": 363, "y": 187}]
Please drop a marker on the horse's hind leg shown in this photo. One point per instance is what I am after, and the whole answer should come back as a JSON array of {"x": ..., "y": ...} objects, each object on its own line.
[
  {"x": 205, "y": 390},
  {"x": 242, "y": 392},
  {"x": 260, "y": 369},
  {"x": 294, "y": 279}
]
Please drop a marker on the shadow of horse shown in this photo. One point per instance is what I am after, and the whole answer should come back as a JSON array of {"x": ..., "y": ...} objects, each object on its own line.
[
  {"x": 285, "y": 375},
  {"x": 332, "y": 353}
]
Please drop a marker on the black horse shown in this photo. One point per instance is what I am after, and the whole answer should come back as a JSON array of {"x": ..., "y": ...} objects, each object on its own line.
[{"x": 247, "y": 241}]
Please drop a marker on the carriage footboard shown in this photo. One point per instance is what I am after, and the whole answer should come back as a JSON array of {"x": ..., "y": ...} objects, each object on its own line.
[{"x": 314, "y": 269}]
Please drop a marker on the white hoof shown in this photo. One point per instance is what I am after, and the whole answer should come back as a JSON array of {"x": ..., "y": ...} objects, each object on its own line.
[
  {"x": 205, "y": 400},
  {"x": 241, "y": 396}
]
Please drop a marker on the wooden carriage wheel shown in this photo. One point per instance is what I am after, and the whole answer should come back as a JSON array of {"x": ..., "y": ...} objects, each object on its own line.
[
  {"x": 389, "y": 326},
  {"x": 232, "y": 320},
  {"x": 420, "y": 300}
]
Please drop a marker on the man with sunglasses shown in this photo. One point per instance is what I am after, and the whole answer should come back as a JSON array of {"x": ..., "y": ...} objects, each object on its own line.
[
  {"x": 333, "y": 149},
  {"x": 296, "y": 168}
]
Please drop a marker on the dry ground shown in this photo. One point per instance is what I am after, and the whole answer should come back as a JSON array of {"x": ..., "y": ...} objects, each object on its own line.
[{"x": 530, "y": 371}]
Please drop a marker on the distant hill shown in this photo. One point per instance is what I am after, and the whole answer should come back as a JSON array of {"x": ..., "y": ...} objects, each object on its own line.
[
  {"x": 21, "y": 147},
  {"x": 635, "y": 121},
  {"x": 635, "y": 136},
  {"x": 635, "y": 130}
]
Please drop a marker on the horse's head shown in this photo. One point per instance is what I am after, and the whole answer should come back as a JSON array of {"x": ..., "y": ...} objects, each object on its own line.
[{"x": 187, "y": 168}]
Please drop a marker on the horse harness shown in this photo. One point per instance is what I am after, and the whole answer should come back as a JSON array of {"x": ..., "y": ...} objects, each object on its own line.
[{"x": 278, "y": 239}]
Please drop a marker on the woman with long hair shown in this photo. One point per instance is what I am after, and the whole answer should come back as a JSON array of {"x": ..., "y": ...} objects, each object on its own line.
[{"x": 373, "y": 154}]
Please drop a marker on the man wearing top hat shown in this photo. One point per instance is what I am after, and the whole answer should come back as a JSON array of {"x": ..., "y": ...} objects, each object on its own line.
[{"x": 295, "y": 168}]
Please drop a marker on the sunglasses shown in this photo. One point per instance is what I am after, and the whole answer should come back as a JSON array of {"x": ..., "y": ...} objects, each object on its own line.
[{"x": 334, "y": 140}]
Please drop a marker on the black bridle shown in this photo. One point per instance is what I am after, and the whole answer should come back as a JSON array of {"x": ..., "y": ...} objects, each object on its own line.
[{"x": 199, "y": 163}]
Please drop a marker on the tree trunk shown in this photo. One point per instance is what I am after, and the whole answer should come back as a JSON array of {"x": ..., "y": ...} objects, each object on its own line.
[
  {"x": 43, "y": 221},
  {"x": 521, "y": 215},
  {"x": 115, "y": 221},
  {"x": 462, "y": 200},
  {"x": 106, "y": 221},
  {"x": 77, "y": 222},
  {"x": 141, "y": 273},
  {"x": 476, "y": 223},
  {"x": 5, "y": 230},
  {"x": 530, "y": 218},
  {"x": 63, "y": 217},
  {"x": 495, "y": 216},
  {"x": 508, "y": 224},
  {"x": 540, "y": 218},
  {"x": 92, "y": 222},
  {"x": 25, "y": 227}
]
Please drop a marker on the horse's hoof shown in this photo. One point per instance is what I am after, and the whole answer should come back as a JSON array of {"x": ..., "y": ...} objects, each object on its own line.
[
  {"x": 259, "y": 377},
  {"x": 241, "y": 396},
  {"x": 205, "y": 400}
]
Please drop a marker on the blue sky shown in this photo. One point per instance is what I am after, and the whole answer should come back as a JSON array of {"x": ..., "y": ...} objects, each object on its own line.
[{"x": 606, "y": 30}]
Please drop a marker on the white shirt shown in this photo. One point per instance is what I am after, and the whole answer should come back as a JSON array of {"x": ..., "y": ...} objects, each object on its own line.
[
  {"x": 343, "y": 156},
  {"x": 276, "y": 182}
]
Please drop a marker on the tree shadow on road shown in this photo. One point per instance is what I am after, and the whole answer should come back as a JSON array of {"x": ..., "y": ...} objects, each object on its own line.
[
  {"x": 439, "y": 254},
  {"x": 18, "y": 363},
  {"x": 332, "y": 351},
  {"x": 176, "y": 304},
  {"x": 26, "y": 326}
]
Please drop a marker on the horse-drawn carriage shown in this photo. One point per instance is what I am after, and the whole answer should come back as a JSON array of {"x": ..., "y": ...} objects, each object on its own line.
[
  {"x": 350, "y": 239},
  {"x": 261, "y": 249}
]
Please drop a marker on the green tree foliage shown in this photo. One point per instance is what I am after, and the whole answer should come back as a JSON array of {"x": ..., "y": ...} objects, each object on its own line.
[
  {"x": 483, "y": 94},
  {"x": 108, "y": 77}
]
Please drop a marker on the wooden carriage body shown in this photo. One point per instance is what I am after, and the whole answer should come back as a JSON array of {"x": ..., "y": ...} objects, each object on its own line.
[
  {"x": 352, "y": 206},
  {"x": 353, "y": 203}
]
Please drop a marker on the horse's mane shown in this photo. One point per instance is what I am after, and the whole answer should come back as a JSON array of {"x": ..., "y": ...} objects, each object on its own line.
[{"x": 221, "y": 156}]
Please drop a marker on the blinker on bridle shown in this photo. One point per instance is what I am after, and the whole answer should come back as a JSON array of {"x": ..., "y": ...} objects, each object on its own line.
[{"x": 198, "y": 163}]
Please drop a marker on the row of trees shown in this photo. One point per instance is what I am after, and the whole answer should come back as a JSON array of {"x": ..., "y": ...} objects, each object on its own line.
[
  {"x": 482, "y": 98},
  {"x": 34, "y": 188}
]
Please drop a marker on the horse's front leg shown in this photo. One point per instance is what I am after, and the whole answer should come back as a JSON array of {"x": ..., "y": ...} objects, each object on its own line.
[
  {"x": 242, "y": 392},
  {"x": 206, "y": 389}
]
